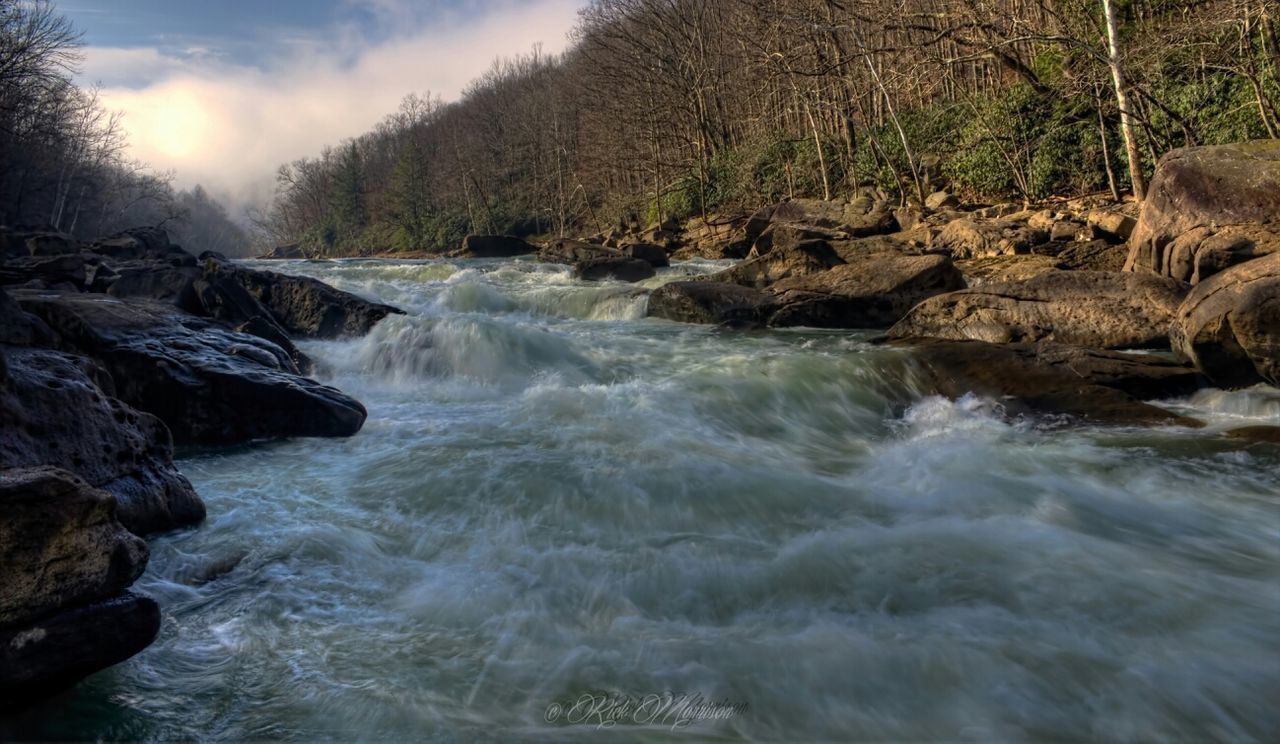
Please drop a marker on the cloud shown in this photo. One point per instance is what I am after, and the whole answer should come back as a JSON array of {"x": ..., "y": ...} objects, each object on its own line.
[{"x": 228, "y": 125}]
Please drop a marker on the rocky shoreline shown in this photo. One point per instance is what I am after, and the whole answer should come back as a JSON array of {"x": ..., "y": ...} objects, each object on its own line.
[
  {"x": 110, "y": 354},
  {"x": 113, "y": 352}
]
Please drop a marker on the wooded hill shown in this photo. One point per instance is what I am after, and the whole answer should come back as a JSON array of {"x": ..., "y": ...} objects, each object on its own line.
[
  {"x": 668, "y": 109},
  {"x": 64, "y": 158}
]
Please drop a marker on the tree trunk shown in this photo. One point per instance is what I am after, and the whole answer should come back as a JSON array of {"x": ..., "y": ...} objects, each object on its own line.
[{"x": 1122, "y": 100}]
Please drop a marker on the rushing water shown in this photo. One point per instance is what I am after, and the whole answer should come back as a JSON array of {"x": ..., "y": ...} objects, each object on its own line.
[{"x": 555, "y": 497}]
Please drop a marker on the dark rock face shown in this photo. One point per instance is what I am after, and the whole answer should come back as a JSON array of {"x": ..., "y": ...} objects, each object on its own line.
[
  {"x": 874, "y": 292},
  {"x": 655, "y": 255},
  {"x": 493, "y": 246},
  {"x": 620, "y": 268},
  {"x": 1229, "y": 325},
  {"x": 208, "y": 384},
  {"x": 60, "y": 650},
  {"x": 305, "y": 307},
  {"x": 1086, "y": 308},
  {"x": 565, "y": 251},
  {"x": 1050, "y": 379},
  {"x": 60, "y": 409},
  {"x": 711, "y": 302},
  {"x": 61, "y": 544},
  {"x": 1205, "y": 187}
]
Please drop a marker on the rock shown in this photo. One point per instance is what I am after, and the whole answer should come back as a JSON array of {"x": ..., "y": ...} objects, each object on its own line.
[
  {"x": 142, "y": 243},
  {"x": 979, "y": 272},
  {"x": 802, "y": 259},
  {"x": 711, "y": 302},
  {"x": 654, "y": 255},
  {"x": 20, "y": 328},
  {"x": 494, "y": 246},
  {"x": 1214, "y": 187},
  {"x": 1229, "y": 324},
  {"x": 716, "y": 237},
  {"x": 997, "y": 211},
  {"x": 60, "y": 544},
  {"x": 789, "y": 235},
  {"x": 967, "y": 238},
  {"x": 941, "y": 200},
  {"x": 875, "y": 292},
  {"x": 1049, "y": 379},
  {"x": 1202, "y": 252},
  {"x": 565, "y": 251},
  {"x": 284, "y": 252},
  {"x": 210, "y": 385},
  {"x": 1114, "y": 227},
  {"x": 845, "y": 218},
  {"x": 908, "y": 217},
  {"x": 1095, "y": 255},
  {"x": 27, "y": 243},
  {"x": 152, "y": 280},
  {"x": 1065, "y": 231},
  {"x": 67, "y": 269},
  {"x": 1086, "y": 308},
  {"x": 306, "y": 307},
  {"x": 60, "y": 409},
  {"x": 619, "y": 268},
  {"x": 60, "y": 650},
  {"x": 221, "y": 296},
  {"x": 1256, "y": 434}
]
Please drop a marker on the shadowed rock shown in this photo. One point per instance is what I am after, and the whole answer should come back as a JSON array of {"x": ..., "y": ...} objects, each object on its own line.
[
  {"x": 619, "y": 268},
  {"x": 711, "y": 302},
  {"x": 874, "y": 292},
  {"x": 1229, "y": 325},
  {"x": 493, "y": 246}
]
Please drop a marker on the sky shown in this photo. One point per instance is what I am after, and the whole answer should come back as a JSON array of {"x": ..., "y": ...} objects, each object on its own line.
[{"x": 224, "y": 91}]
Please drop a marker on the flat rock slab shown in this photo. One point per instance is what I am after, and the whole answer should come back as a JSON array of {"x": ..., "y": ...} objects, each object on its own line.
[
  {"x": 210, "y": 385},
  {"x": 1108, "y": 310}
]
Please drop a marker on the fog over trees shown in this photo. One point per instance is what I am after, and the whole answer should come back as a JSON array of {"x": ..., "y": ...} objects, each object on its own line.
[
  {"x": 64, "y": 159},
  {"x": 678, "y": 108}
]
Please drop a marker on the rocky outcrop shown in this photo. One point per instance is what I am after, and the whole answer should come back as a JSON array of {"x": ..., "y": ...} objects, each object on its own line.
[
  {"x": 1054, "y": 380},
  {"x": 1207, "y": 189},
  {"x": 971, "y": 238},
  {"x": 210, "y": 385},
  {"x": 782, "y": 262},
  {"x": 60, "y": 409},
  {"x": 302, "y": 306},
  {"x": 618, "y": 268},
  {"x": 493, "y": 246},
  {"x": 979, "y": 272},
  {"x": 874, "y": 292},
  {"x": 1086, "y": 308},
  {"x": 1229, "y": 325},
  {"x": 565, "y": 251},
  {"x": 711, "y": 302}
]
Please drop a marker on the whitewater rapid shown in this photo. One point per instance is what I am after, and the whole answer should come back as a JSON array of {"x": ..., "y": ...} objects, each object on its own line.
[{"x": 555, "y": 497}]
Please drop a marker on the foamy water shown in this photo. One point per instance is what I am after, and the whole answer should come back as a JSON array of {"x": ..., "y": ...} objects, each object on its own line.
[{"x": 556, "y": 497}]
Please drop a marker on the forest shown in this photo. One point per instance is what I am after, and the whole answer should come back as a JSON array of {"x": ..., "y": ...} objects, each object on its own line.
[
  {"x": 671, "y": 109},
  {"x": 64, "y": 160}
]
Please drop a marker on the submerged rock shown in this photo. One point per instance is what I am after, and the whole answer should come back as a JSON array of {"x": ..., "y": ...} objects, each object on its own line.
[
  {"x": 1229, "y": 325},
  {"x": 210, "y": 385},
  {"x": 1099, "y": 309},
  {"x": 874, "y": 292},
  {"x": 1052, "y": 379}
]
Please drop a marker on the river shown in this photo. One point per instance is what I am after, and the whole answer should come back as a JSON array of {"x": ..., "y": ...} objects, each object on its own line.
[{"x": 557, "y": 500}]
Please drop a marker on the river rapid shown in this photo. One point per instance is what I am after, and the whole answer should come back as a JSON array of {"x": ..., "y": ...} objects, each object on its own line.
[{"x": 557, "y": 498}]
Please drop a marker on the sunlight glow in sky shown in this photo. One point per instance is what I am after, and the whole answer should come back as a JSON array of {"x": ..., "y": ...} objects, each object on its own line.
[{"x": 224, "y": 92}]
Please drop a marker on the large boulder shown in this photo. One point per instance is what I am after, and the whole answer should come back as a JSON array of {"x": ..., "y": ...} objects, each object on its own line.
[
  {"x": 618, "y": 268},
  {"x": 60, "y": 544},
  {"x": 210, "y": 385},
  {"x": 711, "y": 302},
  {"x": 1054, "y": 380},
  {"x": 874, "y": 292},
  {"x": 60, "y": 409},
  {"x": 1205, "y": 187},
  {"x": 566, "y": 251},
  {"x": 1087, "y": 308},
  {"x": 971, "y": 238},
  {"x": 852, "y": 219},
  {"x": 302, "y": 306},
  {"x": 493, "y": 246},
  {"x": 655, "y": 255},
  {"x": 716, "y": 237},
  {"x": 802, "y": 259},
  {"x": 1229, "y": 325}
]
